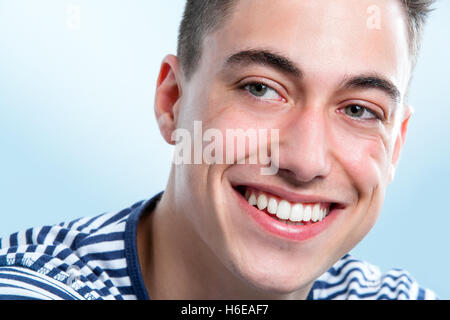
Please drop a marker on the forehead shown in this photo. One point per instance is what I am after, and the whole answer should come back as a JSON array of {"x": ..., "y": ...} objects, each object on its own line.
[{"x": 325, "y": 37}]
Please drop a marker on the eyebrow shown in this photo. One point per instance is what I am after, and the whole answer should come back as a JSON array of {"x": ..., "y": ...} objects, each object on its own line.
[
  {"x": 285, "y": 65},
  {"x": 264, "y": 58},
  {"x": 373, "y": 81}
]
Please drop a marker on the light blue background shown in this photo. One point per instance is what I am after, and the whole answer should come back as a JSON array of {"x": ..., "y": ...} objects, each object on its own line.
[{"x": 78, "y": 135}]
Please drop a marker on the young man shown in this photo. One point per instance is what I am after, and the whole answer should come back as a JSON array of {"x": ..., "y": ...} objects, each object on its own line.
[{"x": 330, "y": 78}]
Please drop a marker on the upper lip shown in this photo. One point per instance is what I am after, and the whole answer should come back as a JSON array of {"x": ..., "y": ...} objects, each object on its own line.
[{"x": 292, "y": 196}]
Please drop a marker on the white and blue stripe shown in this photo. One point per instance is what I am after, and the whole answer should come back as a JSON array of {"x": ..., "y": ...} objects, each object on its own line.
[{"x": 96, "y": 258}]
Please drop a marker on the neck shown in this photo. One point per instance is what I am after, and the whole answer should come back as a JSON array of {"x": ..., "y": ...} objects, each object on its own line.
[{"x": 177, "y": 264}]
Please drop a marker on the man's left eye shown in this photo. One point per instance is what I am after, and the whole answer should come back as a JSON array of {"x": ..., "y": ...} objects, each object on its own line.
[
  {"x": 359, "y": 112},
  {"x": 260, "y": 90}
]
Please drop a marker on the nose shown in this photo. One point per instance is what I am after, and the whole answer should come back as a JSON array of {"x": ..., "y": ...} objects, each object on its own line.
[{"x": 304, "y": 149}]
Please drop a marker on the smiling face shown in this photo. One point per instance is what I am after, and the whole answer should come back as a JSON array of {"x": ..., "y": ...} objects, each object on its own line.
[{"x": 333, "y": 87}]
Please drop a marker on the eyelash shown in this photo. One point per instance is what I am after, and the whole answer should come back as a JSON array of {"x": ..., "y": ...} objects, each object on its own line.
[{"x": 378, "y": 116}]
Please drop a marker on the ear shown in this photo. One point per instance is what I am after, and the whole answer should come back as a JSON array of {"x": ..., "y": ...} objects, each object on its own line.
[
  {"x": 400, "y": 140},
  {"x": 167, "y": 97}
]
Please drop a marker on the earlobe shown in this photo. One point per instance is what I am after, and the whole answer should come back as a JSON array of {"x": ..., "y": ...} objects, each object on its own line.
[
  {"x": 400, "y": 140},
  {"x": 168, "y": 93},
  {"x": 392, "y": 173}
]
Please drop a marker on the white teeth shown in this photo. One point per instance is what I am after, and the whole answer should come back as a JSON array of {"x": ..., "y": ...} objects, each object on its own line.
[
  {"x": 252, "y": 200},
  {"x": 284, "y": 210},
  {"x": 272, "y": 206},
  {"x": 307, "y": 213},
  {"x": 315, "y": 215},
  {"x": 262, "y": 201},
  {"x": 296, "y": 212},
  {"x": 323, "y": 213},
  {"x": 293, "y": 214}
]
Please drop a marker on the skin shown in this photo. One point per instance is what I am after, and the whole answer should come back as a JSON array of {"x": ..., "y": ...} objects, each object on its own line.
[{"x": 198, "y": 243}]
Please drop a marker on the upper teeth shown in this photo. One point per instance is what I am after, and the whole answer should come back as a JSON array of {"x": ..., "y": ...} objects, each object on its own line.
[{"x": 286, "y": 210}]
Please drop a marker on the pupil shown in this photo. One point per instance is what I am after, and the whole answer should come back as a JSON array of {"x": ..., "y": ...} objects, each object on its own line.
[
  {"x": 258, "y": 89},
  {"x": 356, "y": 109}
]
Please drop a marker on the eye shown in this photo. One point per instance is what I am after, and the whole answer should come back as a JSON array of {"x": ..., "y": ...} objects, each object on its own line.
[
  {"x": 262, "y": 91},
  {"x": 359, "y": 112}
]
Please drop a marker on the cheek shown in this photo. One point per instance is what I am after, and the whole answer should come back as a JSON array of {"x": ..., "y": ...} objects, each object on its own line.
[
  {"x": 364, "y": 161},
  {"x": 237, "y": 136},
  {"x": 363, "y": 157}
]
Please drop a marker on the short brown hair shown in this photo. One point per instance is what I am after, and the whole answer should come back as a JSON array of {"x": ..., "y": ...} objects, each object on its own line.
[
  {"x": 202, "y": 17},
  {"x": 417, "y": 14}
]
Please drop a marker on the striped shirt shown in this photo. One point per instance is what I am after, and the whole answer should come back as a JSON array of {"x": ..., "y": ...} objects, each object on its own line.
[{"x": 96, "y": 258}]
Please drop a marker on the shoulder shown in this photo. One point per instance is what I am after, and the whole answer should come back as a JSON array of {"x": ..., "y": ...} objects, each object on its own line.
[
  {"x": 80, "y": 259},
  {"x": 351, "y": 278}
]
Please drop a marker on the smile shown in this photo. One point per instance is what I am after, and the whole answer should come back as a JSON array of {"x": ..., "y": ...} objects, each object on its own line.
[{"x": 288, "y": 215}]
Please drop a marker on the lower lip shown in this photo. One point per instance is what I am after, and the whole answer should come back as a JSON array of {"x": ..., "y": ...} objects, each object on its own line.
[{"x": 283, "y": 230}]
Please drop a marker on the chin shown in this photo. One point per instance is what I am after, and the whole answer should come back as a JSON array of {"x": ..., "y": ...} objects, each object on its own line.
[
  {"x": 272, "y": 282},
  {"x": 270, "y": 274}
]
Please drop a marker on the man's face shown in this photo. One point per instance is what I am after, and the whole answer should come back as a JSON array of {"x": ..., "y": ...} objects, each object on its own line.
[{"x": 340, "y": 131}]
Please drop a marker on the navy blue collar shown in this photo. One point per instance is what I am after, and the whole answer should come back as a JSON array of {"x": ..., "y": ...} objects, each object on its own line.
[{"x": 131, "y": 254}]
